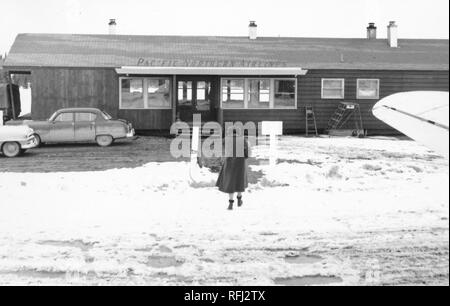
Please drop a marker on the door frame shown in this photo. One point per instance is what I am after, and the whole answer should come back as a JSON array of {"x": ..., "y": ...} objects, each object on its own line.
[{"x": 214, "y": 80}]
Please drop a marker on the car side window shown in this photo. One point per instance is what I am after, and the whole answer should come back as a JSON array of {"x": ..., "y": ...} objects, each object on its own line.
[
  {"x": 64, "y": 117},
  {"x": 89, "y": 117}
]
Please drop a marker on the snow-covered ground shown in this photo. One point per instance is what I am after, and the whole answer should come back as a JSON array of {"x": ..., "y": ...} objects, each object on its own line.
[{"x": 334, "y": 211}]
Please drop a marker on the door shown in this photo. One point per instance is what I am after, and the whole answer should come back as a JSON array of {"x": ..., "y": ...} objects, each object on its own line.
[
  {"x": 85, "y": 126},
  {"x": 62, "y": 128},
  {"x": 195, "y": 95}
]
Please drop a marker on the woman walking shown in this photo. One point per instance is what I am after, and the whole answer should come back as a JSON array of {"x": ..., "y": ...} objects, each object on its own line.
[{"x": 233, "y": 174}]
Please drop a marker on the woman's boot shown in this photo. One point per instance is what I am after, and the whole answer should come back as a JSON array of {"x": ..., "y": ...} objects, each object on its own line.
[
  {"x": 230, "y": 207},
  {"x": 240, "y": 202}
]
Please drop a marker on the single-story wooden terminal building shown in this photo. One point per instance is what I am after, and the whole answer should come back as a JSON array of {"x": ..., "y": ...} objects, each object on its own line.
[{"x": 153, "y": 81}]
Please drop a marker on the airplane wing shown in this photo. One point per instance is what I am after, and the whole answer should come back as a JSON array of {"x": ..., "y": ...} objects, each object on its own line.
[{"x": 421, "y": 115}]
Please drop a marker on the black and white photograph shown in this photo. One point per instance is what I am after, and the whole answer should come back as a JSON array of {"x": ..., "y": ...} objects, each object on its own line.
[{"x": 224, "y": 150}]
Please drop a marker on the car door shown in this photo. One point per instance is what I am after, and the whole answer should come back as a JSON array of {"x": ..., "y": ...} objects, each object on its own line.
[
  {"x": 85, "y": 126},
  {"x": 62, "y": 128}
]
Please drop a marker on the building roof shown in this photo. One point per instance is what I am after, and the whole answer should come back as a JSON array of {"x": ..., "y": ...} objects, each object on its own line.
[{"x": 75, "y": 50}]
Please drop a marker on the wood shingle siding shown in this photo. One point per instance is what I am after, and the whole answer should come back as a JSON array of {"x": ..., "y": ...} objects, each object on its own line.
[
  {"x": 75, "y": 87},
  {"x": 53, "y": 89},
  {"x": 309, "y": 92}
]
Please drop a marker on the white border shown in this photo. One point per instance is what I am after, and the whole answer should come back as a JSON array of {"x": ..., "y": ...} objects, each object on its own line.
[
  {"x": 365, "y": 98},
  {"x": 342, "y": 90}
]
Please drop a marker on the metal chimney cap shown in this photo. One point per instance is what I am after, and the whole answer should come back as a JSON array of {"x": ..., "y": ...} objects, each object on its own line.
[{"x": 392, "y": 24}]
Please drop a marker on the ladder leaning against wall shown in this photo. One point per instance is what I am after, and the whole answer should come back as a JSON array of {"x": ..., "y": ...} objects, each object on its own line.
[{"x": 311, "y": 124}]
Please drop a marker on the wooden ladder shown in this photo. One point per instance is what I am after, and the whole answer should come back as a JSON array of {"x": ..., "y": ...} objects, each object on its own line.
[{"x": 311, "y": 124}]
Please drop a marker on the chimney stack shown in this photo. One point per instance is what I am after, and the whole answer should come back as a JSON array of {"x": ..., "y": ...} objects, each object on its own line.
[
  {"x": 112, "y": 27},
  {"x": 252, "y": 30},
  {"x": 392, "y": 34},
  {"x": 371, "y": 31}
]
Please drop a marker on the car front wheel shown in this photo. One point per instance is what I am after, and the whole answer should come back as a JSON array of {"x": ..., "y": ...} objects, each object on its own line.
[
  {"x": 11, "y": 149},
  {"x": 104, "y": 140}
]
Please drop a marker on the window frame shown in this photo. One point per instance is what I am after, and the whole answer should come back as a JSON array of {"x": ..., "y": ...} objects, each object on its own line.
[
  {"x": 81, "y": 112},
  {"x": 342, "y": 89},
  {"x": 145, "y": 93},
  {"x": 178, "y": 101},
  {"x": 366, "y": 98},
  {"x": 273, "y": 92},
  {"x": 246, "y": 93},
  {"x": 63, "y": 113}
]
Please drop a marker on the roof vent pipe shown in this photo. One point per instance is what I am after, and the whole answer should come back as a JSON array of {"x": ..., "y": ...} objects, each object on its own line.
[
  {"x": 371, "y": 31},
  {"x": 112, "y": 27},
  {"x": 392, "y": 34},
  {"x": 252, "y": 30}
]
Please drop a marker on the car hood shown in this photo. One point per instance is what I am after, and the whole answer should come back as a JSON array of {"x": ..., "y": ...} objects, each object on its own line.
[
  {"x": 15, "y": 132},
  {"x": 31, "y": 123},
  {"x": 121, "y": 120}
]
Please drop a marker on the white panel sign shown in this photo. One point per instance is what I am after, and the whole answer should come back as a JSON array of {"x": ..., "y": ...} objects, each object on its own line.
[{"x": 272, "y": 127}]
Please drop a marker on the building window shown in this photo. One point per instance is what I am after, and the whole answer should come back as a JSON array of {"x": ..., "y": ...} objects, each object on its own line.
[
  {"x": 284, "y": 94},
  {"x": 203, "y": 95},
  {"x": 132, "y": 91},
  {"x": 368, "y": 89},
  {"x": 184, "y": 92},
  {"x": 233, "y": 93},
  {"x": 158, "y": 93},
  {"x": 145, "y": 93},
  {"x": 259, "y": 93},
  {"x": 264, "y": 93},
  {"x": 333, "y": 88}
]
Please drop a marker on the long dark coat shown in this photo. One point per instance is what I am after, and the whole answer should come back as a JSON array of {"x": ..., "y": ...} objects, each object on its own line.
[{"x": 233, "y": 175}]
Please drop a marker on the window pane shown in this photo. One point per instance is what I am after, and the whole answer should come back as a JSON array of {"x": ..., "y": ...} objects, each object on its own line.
[
  {"x": 132, "y": 93},
  {"x": 368, "y": 89},
  {"x": 64, "y": 117},
  {"x": 184, "y": 93},
  {"x": 203, "y": 96},
  {"x": 332, "y": 83},
  {"x": 259, "y": 93},
  {"x": 333, "y": 89},
  {"x": 233, "y": 93},
  {"x": 284, "y": 94},
  {"x": 158, "y": 93},
  {"x": 332, "y": 93},
  {"x": 85, "y": 117},
  {"x": 201, "y": 90}
]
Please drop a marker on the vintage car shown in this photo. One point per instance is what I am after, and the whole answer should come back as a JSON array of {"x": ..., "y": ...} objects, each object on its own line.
[
  {"x": 79, "y": 125},
  {"x": 15, "y": 140}
]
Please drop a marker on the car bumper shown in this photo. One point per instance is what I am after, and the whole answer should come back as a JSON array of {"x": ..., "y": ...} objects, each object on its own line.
[{"x": 30, "y": 143}]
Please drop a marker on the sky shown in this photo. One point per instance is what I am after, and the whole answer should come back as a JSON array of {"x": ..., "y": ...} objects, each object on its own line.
[{"x": 317, "y": 18}]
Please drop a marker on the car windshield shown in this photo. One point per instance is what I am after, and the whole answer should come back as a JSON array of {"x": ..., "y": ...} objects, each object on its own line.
[{"x": 106, "y": 115}]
